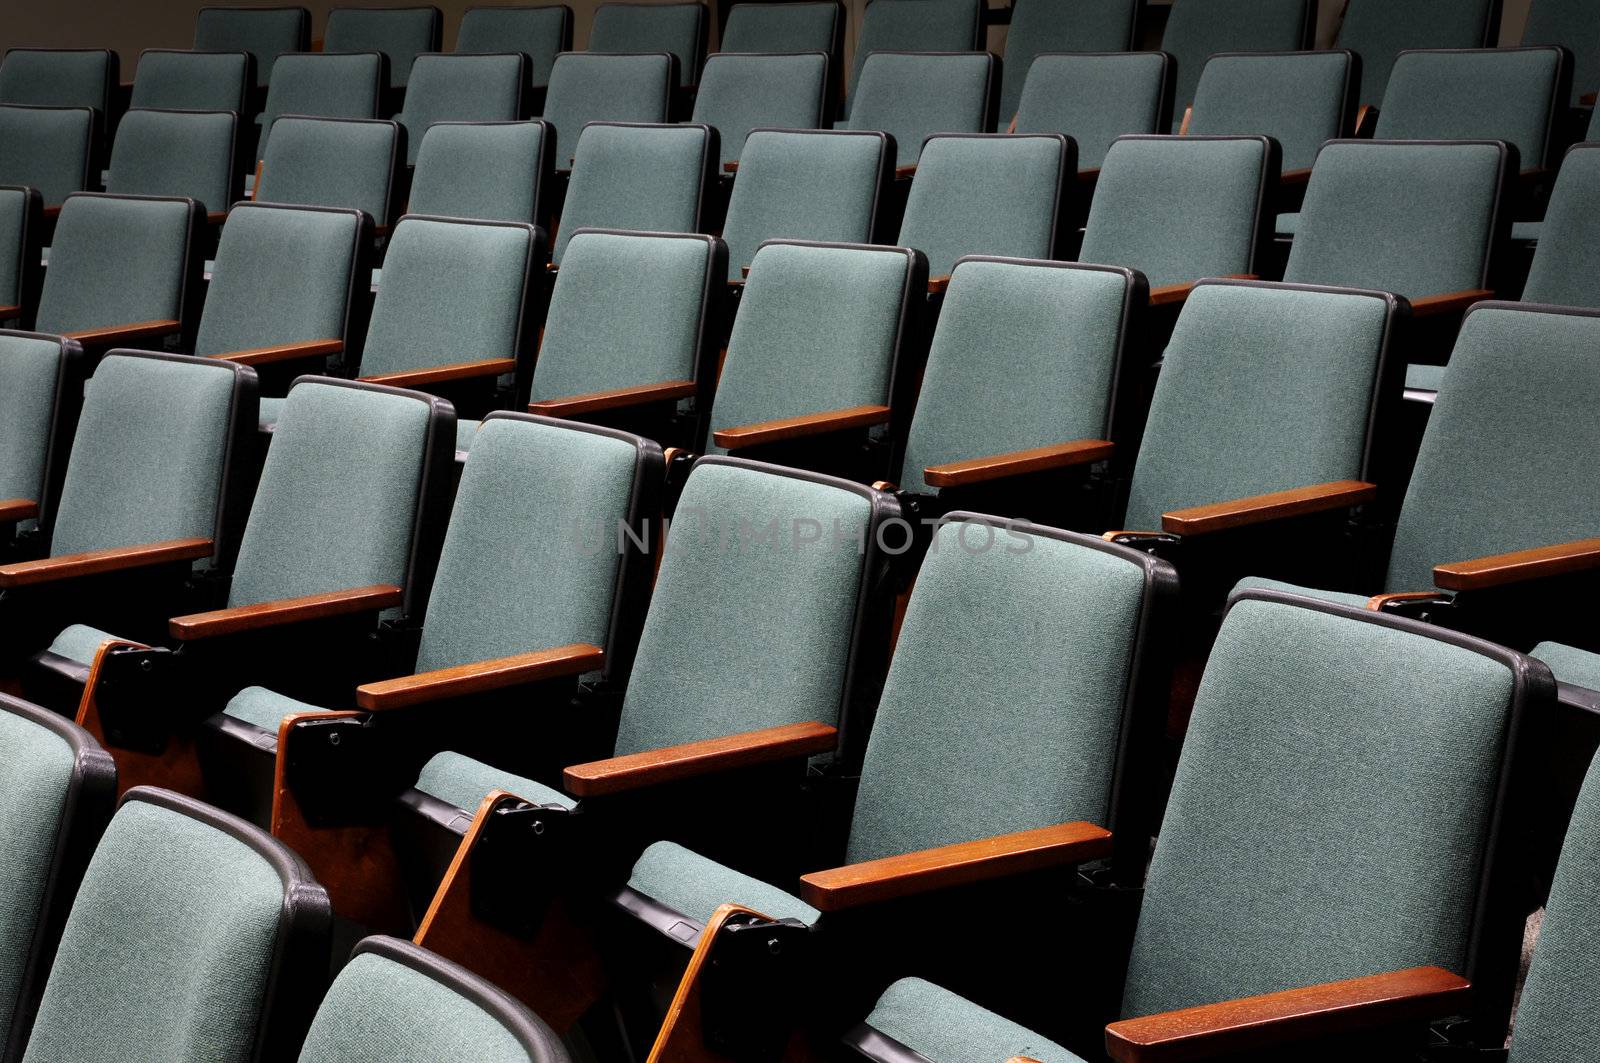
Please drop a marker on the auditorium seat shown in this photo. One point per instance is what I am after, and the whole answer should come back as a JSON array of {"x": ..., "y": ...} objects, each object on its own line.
[
  {"x": 43, "y": 390},
  {"x": 21, "y": 232},
  {"x": 588, "y": 88},
  {"x": 334, "y": 162},
  {"x": 1566, "y": 266},
  {"x": 461, "y": 88},
  {"x": 914, "y": 26},
  {"x": 988, "y": 195},
  {"x": 1575, "y": 26},
  {"x": 651, "y": 178},
  {"x": 1379, "y": 30},
  {"x": 1044, "y": 27},
  {"x": 266, "y": 33},
  {"x": 322, "y": 85},
  {"x": 913, "y": 95},
  {"x": 47, "y": 148},
  {"x": 1094, "y": 99},
  {"x": 61, "y": 77},
  {"x": 193, "y": 936},
  {"x": 490, "y": 171},
  {"x": 170, "y": 80},
  {"x": 1198, "y": 29},
  {"x": 177, "y": 153},
  {"x": 540, "y": 33},
  {"x": 399, "y": 33},
  {"x": 631, "y": 29},
  {"x": 783, "y": 28},
  {"x": 1299, "y": 99},
  {"x": 739, "y": 93}
]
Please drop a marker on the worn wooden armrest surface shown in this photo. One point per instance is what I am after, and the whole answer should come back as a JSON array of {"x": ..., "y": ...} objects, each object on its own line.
[
  {"x": 938, "y": 285},
  {"x": 481, "y": 676},
  {"x": 443, "y": 374},
  {"x": 595, "y": 401},
  {"x": 1302, "y": 1015},
  {"x": 283, "y": 352},
  {"x": 1519, "y": 566},
  {"x": 15, "y": 509},
  {"x": 954, "y": 865},
  {"x": 1018, "y": 462},
  {"x": 1449, "y": 302},
  {"x": 285, "y": 611},
  {"x": 96, "y": 562},
  {"x": 1295, "y": 177},
  {"x": 114, "y": 334},
  {"x": 810, "y": 424},
  {"x": 1258, "y": 509},
  {"x": 656, "y": 766}
]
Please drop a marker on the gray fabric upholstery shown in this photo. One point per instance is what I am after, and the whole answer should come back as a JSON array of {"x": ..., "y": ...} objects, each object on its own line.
[
  {"x": 1198, "y": 29},
  {"x": 401, "y": 33},
  {"x": 321, "y": 85},
  {"x": 465, "y": 782},
  {"x": 28, "y": 372},
  {"x": 588, "y": 88},
  {"x": 47, "y": 148},
  {"x": 1488, "y": 94},
  {"x": 115, "y": 261},
  {"x": 913, "y": 96},
  {"x": 945, "y": 1028},
  {"x": 1299, "y": 100},
  {"x": 58, "y": 77},
  {"x": 489, "y": 171},
  {"x": 265, "y": 33},
  {"x": 175, "y": 153},
  {"x": 537, "y": 32},
  {"x": 190, "y": 81},
  {"x": 915, "y": 26},
  {"x": 1575, "y": 26},
  {"x": 319, "y": 163},
  {"x": 1046, "y": 26},
  {"x": 646, "y": 178},
  {"x": 634, "y": 28},
  {"x": 1578, "y": 667},
  {"x": 782, "y": 27},
  {"x": 1566, "y": 267},
  {"x": 693, "y": 886},
  {"x": 460, "y": 88},
  {"x": 1094, "y": 99},
  {"x": 1379, "y": 30},
  {"x": 739, "y": 93}
]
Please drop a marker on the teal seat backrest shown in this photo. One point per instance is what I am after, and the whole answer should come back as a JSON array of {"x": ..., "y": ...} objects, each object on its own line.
[
  {"x": 59, "y": 77},
  {"x": 1512, "y": 421},
  {"x": 757, "y": 635},
  {"x": 401, "y": 33},
  {"x": 784, "y": 27},
  {"x": 461, "y": 88},
  {"x": 785, "y": 360},
  {"x": 1301, "y": 100},
  {"x": 1379, "y": 30},
  {"x": 47, "y": 148},
  {"x": 987, "y": 195},
  {"x": 1180, "y": 208},
  {"x": 190, "y": 81},
  {"x": 1198, "y": 29},
  {"x": 115, "y": 261},
  {"x": 680, "y": 29},
  {"x": 1509, "y": 94},
  {"x": 588, "y": 88},
  {"x": 175, "y": 153},
  {"x": 452, "y": 292},
  {"x": 912, "y": 96},
  {"x": 1414, "y": 219},
  {"x": 322, "y": 85},
  {"x": 492, "y": 171},
  {"x": 540, "y": 33},
  {"x": 627, "y": 310},
  {"x": 1094, "y": 99},
  {"x": 17, "y": 218},
  {"x": 915, "y": 26},
  {"x": 328, "y": 162},
  {"x": 282, "y": 275},
  {"x": 338, "y": 496},
  {"x": 649, "y": 178},
  {"x": 1263, "y": 388},
  {"x": 1278, "y": 865},
  {"x": 1040, "y": 27},
  {"x": 266, "y": 33},
  {"x": 739, "y": 93},
  {"x": 30, "y": 368},
  {"x": 1026, "y": 355},
  {"x": 1566, "y": 266},
  {"x": 1575, "y": 26},
  {"x": 804, "y": 185}
]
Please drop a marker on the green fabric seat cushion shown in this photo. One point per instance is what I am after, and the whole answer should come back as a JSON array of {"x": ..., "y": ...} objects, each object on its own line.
[
  {"x": 537, "y": 32},
  {"x": 693, "y": 886},
  {"x": 645, "y": 178},
  {"x": 913, "y": 26},
  {"x": 266, "y": 709},
  {"x": 479, "y": 170},
  {"x": 1528, "y": 232},
  {"x": 1298, "y": 100},
  {"x": 1043, "y": 26},
  {"x": 264, "y": 33},
  {"x": 401, "y": 33},
  {"x": 29, "y": 369},
  {"x": 787, "y": 27},
  {"x": 1424, "y": 377},
  {"x": 271, "y": 410},
  {"x": 460, "y": 88},
  {"x": 946, "y": 1028},
  {"x": 633, "y": 27},
  {"x": 79, "y": 642},
  {"x": 57, "y": 142},
  {"x": 466, "y": 432},
  {"x": 586, "y": 87},
  {"x": 1566, "y": 266},
  {"x": 114, "y": 261},
  {"x": 739, "y": 93},
  {"x": 1258, "y": 583},
  {"x": 465, "y": 782},
  {"x": 1579, "y": 668},
  {"x": 296, "y": 171},
  {"x": 321, "y": 85},
  {"x": 13, "y": 220},
  {"x": 190, "y": 81},
  {"x": 911, "y": 97},
  {"x": 1198, "y": 29},
  {"x": 1488, "y": 94},
  {"x": 1094, "y": 99},
  {"x": 57, "y": 77},
  {"x": 1379, "y": 30},
  {"x": 1288, "y": 224},
  {"x": 1573, "y": 24}
]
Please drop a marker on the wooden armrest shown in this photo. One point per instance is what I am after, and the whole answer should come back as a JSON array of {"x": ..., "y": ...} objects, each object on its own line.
[
  {"x": 901, "y": 173},
  {"x": 1018, "y": 463},
  {"x": 285, "y": 611},
  {"x": 15, "y": 509},
  {"x": 1258, "y": 509},
  {"x": 1588, "y": 99},
  {"x": 731, "y": 167},
  {"x": 443, "y": 374},
  {"x": 617, "y": 398},
  {"x": 284, "y": 352},
  {"x": 9, "y": 312},
  {"x": 656, "y": 766},
  {"x": 1089, "y": 176},
  {"x": 53, "y": 212},
  {"x": 938, "y": 285},
  {"x": 112, "y": 335},
  {"x": 1295, "y": 177},
  {"x": 216, "y": 217},
  {"x": 1113, "y": 536},
  {"x": 810, "y": 424},
  {"x": 1366, "y": 120},
  {"x": 1519, "y": 566},
  {"x": 954, "y": 865},
  {"x": 744, "y": 272},
  {"x": 1449, "y": 303},
  {"x": 1534, "y": 174},
  {"x": 1302, "y": 1015},
  {"x": 481, "y": 676},
  {"x": 95, "y": 562}
]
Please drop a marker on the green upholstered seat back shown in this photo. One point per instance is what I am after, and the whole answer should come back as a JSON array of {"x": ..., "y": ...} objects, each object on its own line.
[
  {"x": 115, "y": 261},
  {"x": 14, "y": 238},
  {"x": 486, "y": 170},
  {"x": 739, "y": 93},
  {"x": 29, "y": 370},
  {"x": 461, "y": 88},
  {"x": 912, "y": 95},
  {"x": 1513, "y": 421},
  {"x": 1299, "y": 99},
  {"x": 1094, "y": 99},
  {"x": 626, "y": 311},
  {"x": 452, "y": 291},
  {"x": 1509, "y": 94},
  {"x": 1379, "y": 30},
  {"x": 322, "y": 85},
  {"x": 784, "y": 359},
  {"x": 649, "y": 178},
  {"x": 1566, "y": 266},
  {"x": 530, "y": 560},
  {"x": 168, "y": 951},
  {"x": 537, "y": 32},
  {"x": 1025, "y": 356},
  {"x": 804, "y": 186},
  {"x": 265, "y": 33},
  {"x": 47, "y": 148},
  {"x": 338, "y": 496},
  {"x": 987, "y": 195},
  {"x": 1037, "y": 679},
  {"x": 401, "y": 33},
  {"x": 190, "y": 81},
  {"x": 680, "y": 29},
  {"x": 175, "y": 153},
  {"x": 1575, "y": 26},
  {"x": 748, "y": 630},
  {"x": 1263, "y": 389},
  {"x": 281, "y": 275},
  {"x": 1414, "y": 219},
  {"x": 1179, "y": 208},
  {"x": 915, "y": 26},
  {"x": 1046, "y": 26},
  {"x": 58, "y": 77},
  {"x": 783, "y": 27},
  {"x": 325, "y": 162},
  {"x": 1198, "y": 29},
  {"x": 1331, "y": 813},
  {"x": 588, "y": 88},
  {"x": 148, "y": 459}
]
